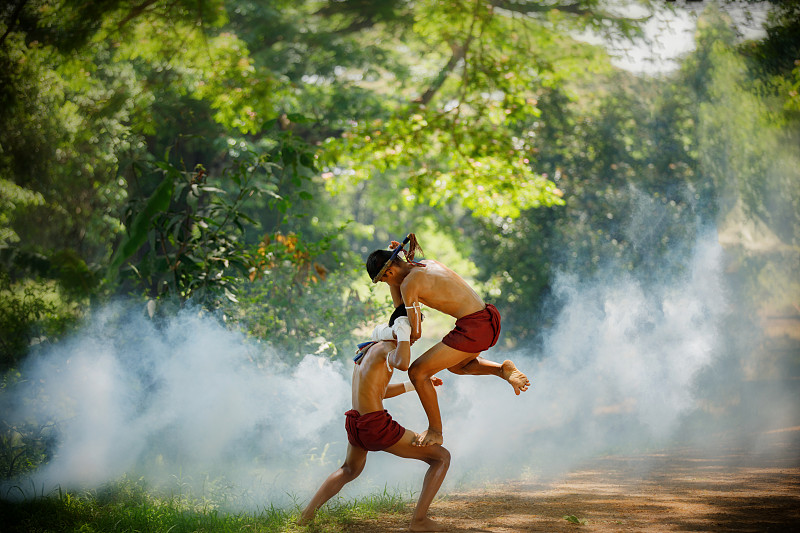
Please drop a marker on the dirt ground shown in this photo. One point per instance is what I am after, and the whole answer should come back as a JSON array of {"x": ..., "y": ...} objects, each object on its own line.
[{"x": 678, "y": 490}]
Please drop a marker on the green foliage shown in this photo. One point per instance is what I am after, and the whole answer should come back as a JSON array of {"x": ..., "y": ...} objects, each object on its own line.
[
  {"x": 747, "y": 145},
  {"x": 189, "y": 231},
  {"x": 339, "y": 510},
  {"x": 21, "y": 309},
  {"x": 30, "y": 312},
  {"x": 481, "y": 119},
  {"x": 632, "y": 196},
  {"x": 129, "y": 505},
  {"x": 296, "y": 304},
  {"x": 159, "y": 201},
  {"x": 12, "y": 197},
  {"x": 466, "y": 139},
  {"x": 24, "y": 446}
]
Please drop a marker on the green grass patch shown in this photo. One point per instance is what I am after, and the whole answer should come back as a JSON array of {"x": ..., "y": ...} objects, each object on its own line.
[
  {"x": 128, "y": 506},
  {"x": 571, "y": 518}
]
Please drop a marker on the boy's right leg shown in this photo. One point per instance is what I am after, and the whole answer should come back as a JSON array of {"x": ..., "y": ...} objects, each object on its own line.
[
  {"x": 353, "y": 465},
  {"x": 436, "y": 359},
  {"x": 438, "y": 459}
]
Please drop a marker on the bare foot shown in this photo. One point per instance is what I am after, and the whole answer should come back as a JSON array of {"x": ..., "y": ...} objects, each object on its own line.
[
  {"x": 517, "y": 379},
  {"x": 305, "y": 518},
  {"x": 428, "y": 437},
  {"x": 426, "y": 524}
]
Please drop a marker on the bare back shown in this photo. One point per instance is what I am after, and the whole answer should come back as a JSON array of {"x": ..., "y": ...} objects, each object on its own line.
[
  {"x": 440, "y": 288},
  {"x": 371, "y": 377}
]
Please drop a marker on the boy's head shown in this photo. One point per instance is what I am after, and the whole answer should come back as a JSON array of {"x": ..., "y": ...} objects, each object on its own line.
[
  {"x": 376, "y": 261},
  {"x": 380, "y": 261}
]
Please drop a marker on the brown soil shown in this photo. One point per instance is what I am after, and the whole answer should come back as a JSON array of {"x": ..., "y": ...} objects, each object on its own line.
[{"x": 682, "y": 490}]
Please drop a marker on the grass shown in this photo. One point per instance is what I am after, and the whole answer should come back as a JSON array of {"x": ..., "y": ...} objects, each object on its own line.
[{"x": 127, "y": 506}]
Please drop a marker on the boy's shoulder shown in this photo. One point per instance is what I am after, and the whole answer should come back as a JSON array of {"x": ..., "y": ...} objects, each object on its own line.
[{"x": 419, "y": 276}]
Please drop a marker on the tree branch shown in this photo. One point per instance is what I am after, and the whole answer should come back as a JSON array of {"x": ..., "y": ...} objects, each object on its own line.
[
  {"x": 135, "y": 12},
  {"x": 458, "y": 54},
  {"x": 525, "y": 8}
]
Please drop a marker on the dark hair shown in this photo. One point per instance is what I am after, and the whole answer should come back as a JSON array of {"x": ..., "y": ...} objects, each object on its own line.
[
  {"x": 376, "y": 260},
  {"x": 398, "y": 312}
]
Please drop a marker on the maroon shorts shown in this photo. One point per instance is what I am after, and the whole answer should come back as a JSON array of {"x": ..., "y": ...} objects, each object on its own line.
[
  {"x": 475, "y": 332},
  {"x": 373, "y": 431}
]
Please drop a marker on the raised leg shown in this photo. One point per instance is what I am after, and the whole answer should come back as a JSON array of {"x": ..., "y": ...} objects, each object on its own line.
[
  {"x": 353, "y": 466},
  {"x": 438, "y": 459},
  {"x": 483, "y": 367},
  {"x": 477, "y": 367}
]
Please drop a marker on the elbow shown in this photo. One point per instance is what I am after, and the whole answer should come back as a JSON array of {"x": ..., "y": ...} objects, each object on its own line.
[{"x": 402, "y": 366}]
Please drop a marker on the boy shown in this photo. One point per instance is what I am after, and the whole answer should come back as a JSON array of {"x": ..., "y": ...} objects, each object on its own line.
[
  {"x": 370, "y": 427},
  {"x": 477, "y": 325}
]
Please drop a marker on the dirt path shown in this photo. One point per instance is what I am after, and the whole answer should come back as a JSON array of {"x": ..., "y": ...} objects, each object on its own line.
[{"x": 682, "y": 490}]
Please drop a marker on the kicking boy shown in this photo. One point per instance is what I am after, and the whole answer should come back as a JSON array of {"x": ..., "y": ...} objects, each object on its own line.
[
  {"x": 477, "y": 325},
  {"x": 370, "y": 427}
]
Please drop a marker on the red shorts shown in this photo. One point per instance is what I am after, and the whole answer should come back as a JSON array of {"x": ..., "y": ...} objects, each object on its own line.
[
  {"x": 373, "y": 431},
  {"x": 475, "y": 332}
]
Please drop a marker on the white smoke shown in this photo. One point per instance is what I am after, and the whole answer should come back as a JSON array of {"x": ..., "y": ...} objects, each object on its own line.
[
  {"x": 187, "y": 396},
  {"x": 189, "y": 399},
  {"x": 617, "y": 372}
]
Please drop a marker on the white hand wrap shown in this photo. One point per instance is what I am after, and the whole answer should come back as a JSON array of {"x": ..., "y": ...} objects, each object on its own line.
[
  {"x": 408, "y": 386},
  {"x": 402, "y": 329},
  {"x": 382, "y": 333}
]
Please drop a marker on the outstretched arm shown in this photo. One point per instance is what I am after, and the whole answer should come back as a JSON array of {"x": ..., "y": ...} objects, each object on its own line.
[{"x": 396, "y": 389}]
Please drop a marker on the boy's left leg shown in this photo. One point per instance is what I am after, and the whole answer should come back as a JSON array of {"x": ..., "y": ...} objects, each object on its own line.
[
  {"x": 484, "y": 367},
  {"x": 438, "y": 460},
  {"x": 353, "y": 466}
]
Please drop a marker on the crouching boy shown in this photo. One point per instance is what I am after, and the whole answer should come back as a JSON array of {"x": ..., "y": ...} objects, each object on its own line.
[{"x": 370, "y": 427}]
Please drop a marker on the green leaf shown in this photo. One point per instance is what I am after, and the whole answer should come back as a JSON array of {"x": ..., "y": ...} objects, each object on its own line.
[
  {"x": 206, "y": 188},
  {"x": 575, "y": 520},
  {"x": 136, "y": 237},
  {"x": 230, "y": 296}
]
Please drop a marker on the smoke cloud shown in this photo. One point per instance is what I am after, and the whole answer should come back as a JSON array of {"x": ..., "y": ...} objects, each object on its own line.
[
  {"x": 616, "y": 373},
  {"x": 184, "y": 399},
  {"x": 188, "y": 401}
]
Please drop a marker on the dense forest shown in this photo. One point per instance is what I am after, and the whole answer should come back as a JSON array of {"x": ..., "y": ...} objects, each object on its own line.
[{"x": 243, "y": 157}]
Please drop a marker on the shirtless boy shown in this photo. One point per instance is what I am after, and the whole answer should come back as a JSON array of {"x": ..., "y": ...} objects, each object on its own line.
[
  {"x": 477, "y": 327},
  {"x": 370, "y": 427}
]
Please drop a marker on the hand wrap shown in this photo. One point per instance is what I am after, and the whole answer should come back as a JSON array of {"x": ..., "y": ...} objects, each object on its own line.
[
  {"x": 382, "y": 332},
  {"x": 402, "y": 329}
]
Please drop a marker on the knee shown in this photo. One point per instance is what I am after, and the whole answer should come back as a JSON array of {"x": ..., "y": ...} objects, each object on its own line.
[
  {"x": 443, "y": 456},
  {"x": 417, "y": 372},
  {"x": 459, "y": 369},
  {"x": 350, "y": 473}
]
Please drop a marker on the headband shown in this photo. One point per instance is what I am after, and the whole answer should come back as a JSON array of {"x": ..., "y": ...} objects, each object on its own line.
[{"x": 392, "y": 257}]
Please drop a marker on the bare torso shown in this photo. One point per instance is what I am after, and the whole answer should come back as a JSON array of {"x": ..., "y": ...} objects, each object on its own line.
[
  {"x": 371, "y": 377},
  {"x": 440, "y": 288}
]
